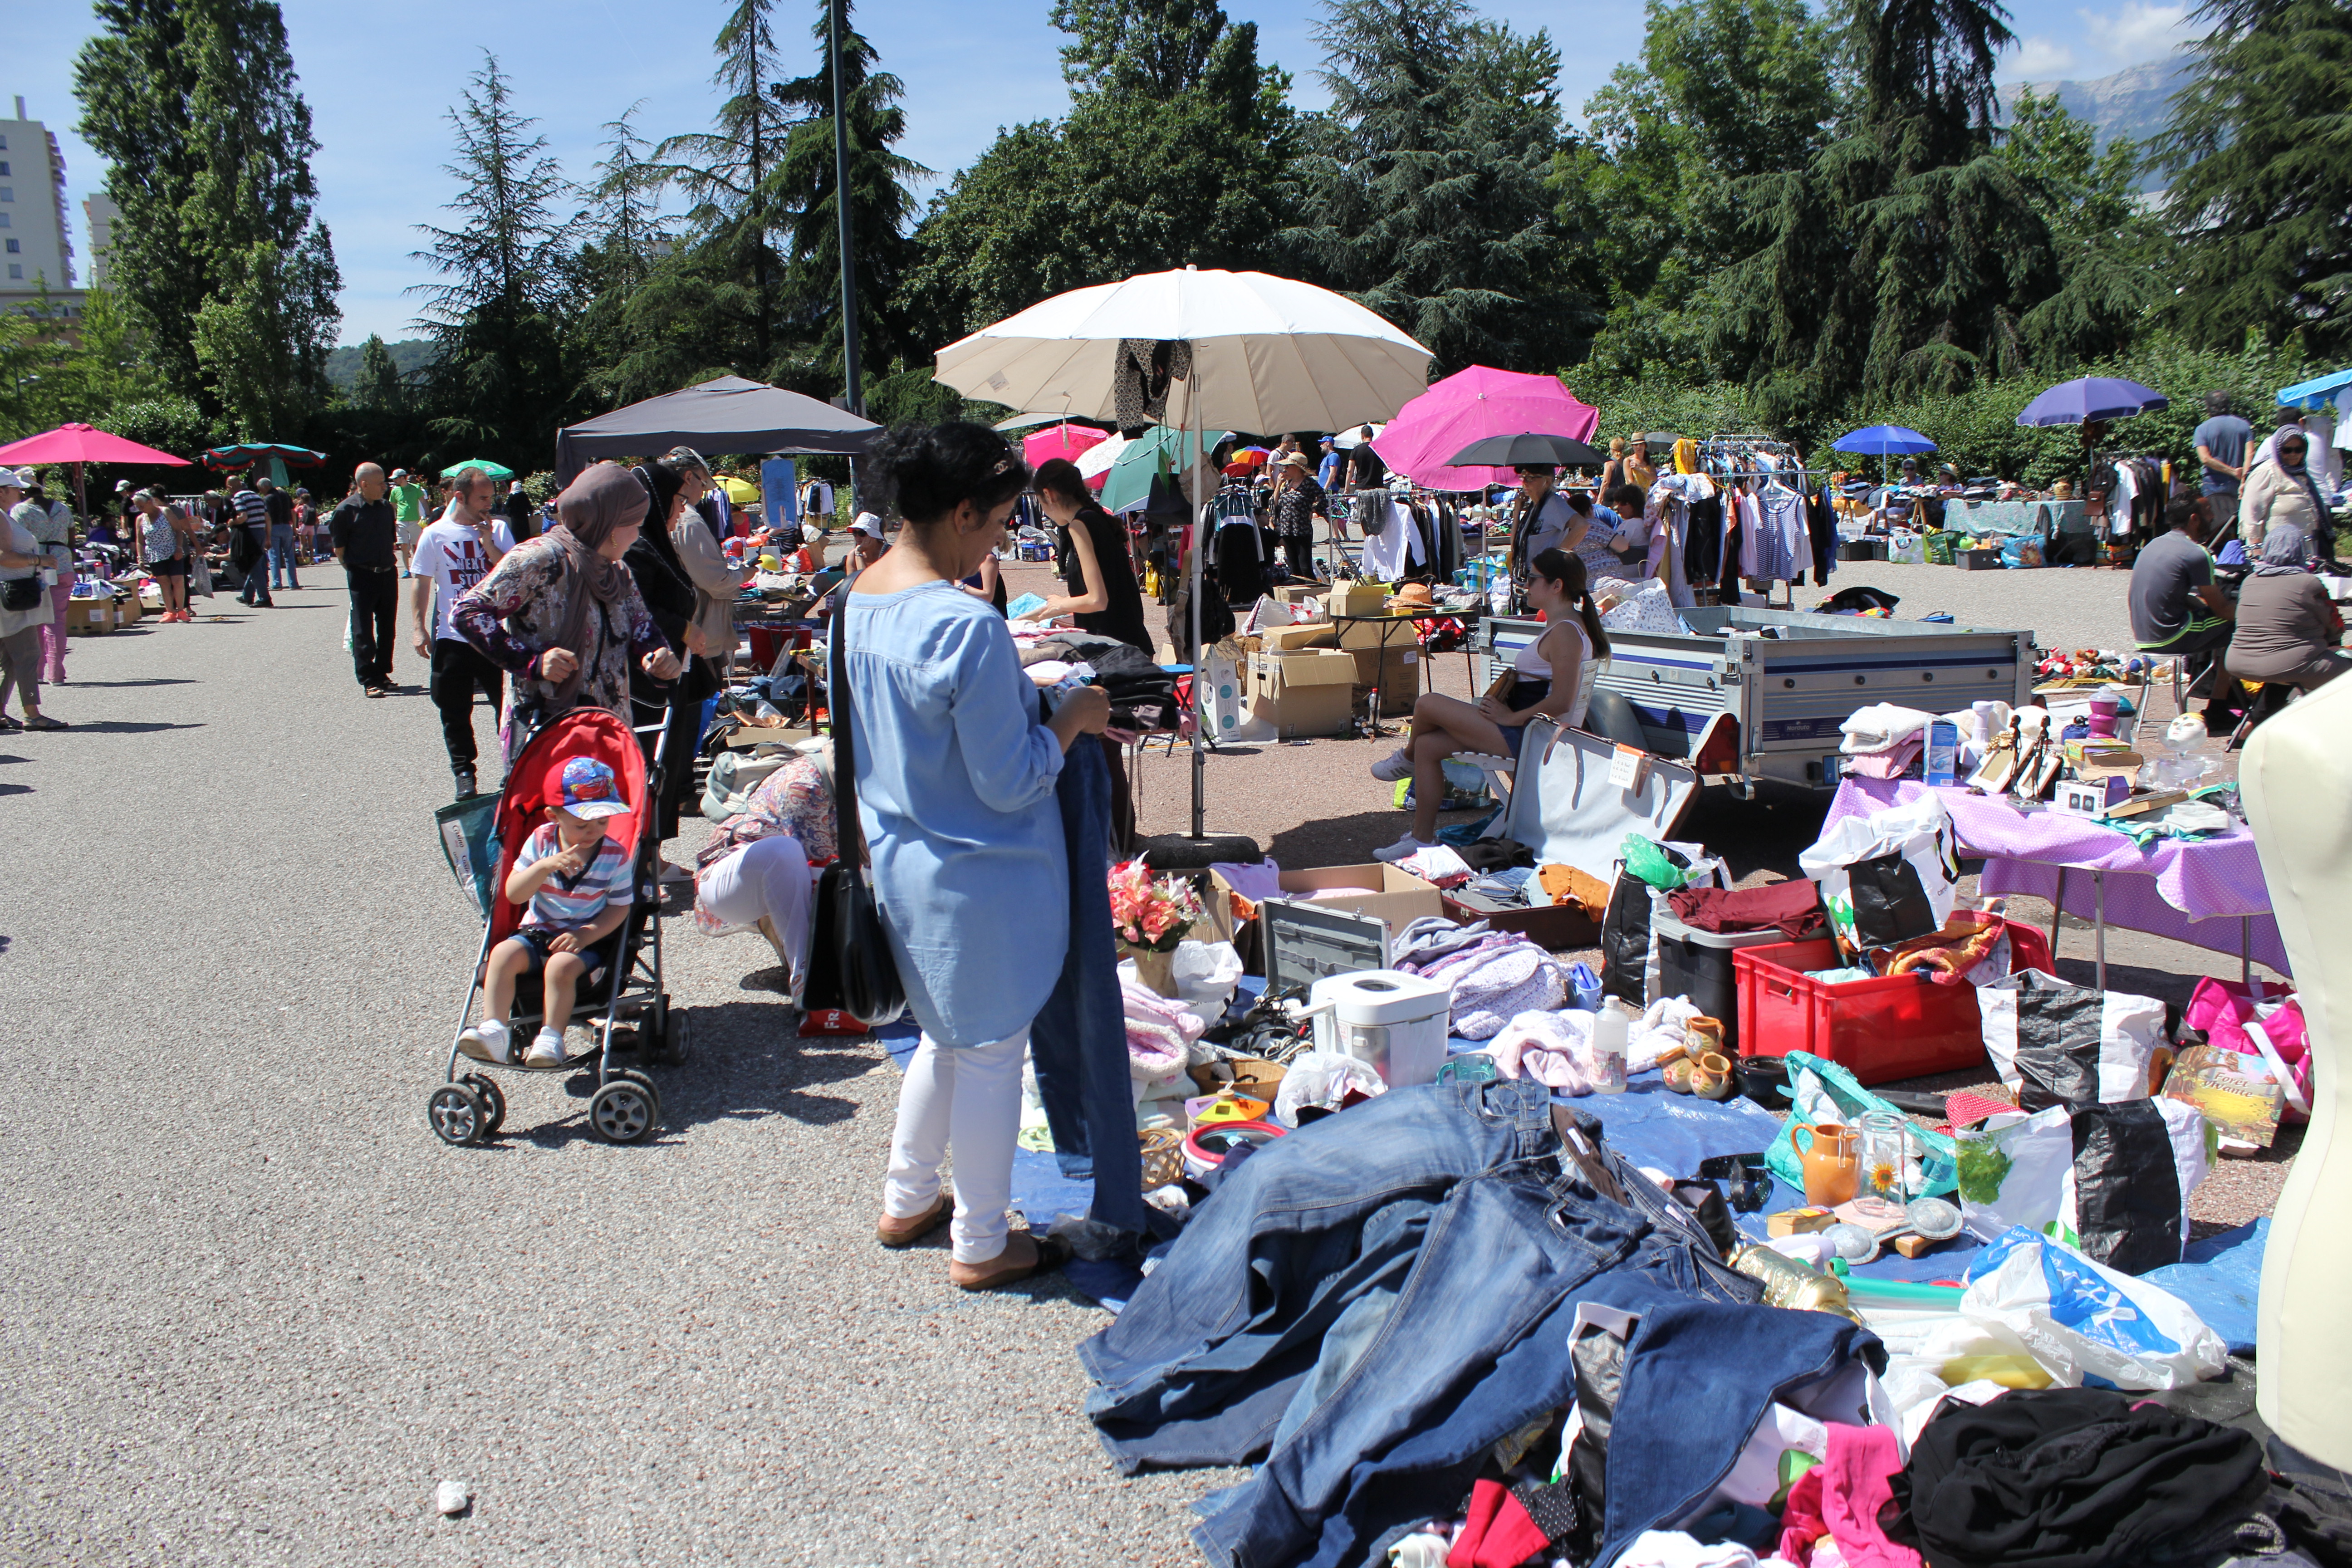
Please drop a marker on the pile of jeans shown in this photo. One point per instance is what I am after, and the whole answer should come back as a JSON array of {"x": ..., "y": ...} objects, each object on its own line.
[{"x": 1366, "y": 1308}]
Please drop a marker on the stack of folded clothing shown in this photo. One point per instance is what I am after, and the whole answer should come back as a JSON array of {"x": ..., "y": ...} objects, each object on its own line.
[{"x": 1883, "y": 740}]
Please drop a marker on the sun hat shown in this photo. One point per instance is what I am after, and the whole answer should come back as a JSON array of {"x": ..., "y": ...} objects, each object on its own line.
[
  {"x": 589, "y": 791},
  {"x": 1298, "y": 460},
  {"x": 20, "y": 478},
  {"x": 867, "y": 524},
  {"x": 1413, "y": 597}
]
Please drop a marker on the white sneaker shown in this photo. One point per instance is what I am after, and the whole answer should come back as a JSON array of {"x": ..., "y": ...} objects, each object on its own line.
[
  {"x": 1396, "y": 765},
  {"x": 675, "y": 876},
  {"x": 546, "y": 1050},
  {"x": 486, "y": 1042},
  {"x": 1402, "y": 849}
]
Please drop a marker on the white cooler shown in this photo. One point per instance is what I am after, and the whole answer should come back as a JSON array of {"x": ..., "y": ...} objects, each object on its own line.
[{"x": 1394, "y": 1023}]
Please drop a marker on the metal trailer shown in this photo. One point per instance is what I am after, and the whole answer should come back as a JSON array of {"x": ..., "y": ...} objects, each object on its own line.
[{"x": 1756, "y": 694}]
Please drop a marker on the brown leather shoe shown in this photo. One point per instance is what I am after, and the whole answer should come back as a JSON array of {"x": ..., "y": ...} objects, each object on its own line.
[
  {"x": 1024, "y": 1257},
  {"x": 906, "y": 1232}
]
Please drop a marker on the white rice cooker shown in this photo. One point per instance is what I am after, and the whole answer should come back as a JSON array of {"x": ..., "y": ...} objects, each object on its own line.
[{"x": 1392, "y": 1022}]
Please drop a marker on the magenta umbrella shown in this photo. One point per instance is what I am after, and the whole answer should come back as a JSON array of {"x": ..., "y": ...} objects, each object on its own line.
[
  {"x": 1470, "y": 406},
  {"x": 1064, "y": 441},
  {"x": 79, "y": 444}
]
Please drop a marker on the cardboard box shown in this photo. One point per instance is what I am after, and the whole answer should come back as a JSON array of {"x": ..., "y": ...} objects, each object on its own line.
[
  {"x": 1359, "y": 599},
  {"x": 1308, "y": 692},
  {"x": 1396, "y": 672},
  {"x": 1385, "y": 631},
  {"x": 1300, "y": 594},
  {"x": 1283, "y": 639},
  {"x": 89, "y": 617},
  {"x": 1397, "y": 897}
]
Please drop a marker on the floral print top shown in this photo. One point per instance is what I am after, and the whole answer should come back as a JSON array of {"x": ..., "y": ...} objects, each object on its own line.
[
  {"x": 519, "y": 611},
  {"x": 795, "y": 799}
]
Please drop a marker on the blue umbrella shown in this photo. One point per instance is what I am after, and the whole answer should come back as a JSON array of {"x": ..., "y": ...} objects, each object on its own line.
[
  {"x": 2317, "y": 392},
  {"x": 1881, "y": 441},
  {"x": 2093, "y": 397}
]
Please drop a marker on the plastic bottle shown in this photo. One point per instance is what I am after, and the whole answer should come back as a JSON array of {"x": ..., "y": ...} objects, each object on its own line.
[{"x": 1610, "y": 1028}]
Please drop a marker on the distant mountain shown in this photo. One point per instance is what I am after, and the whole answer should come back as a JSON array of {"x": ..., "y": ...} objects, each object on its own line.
[
  {"x": 409, "y": 355},
  {"x": 2135, "y": 102}
]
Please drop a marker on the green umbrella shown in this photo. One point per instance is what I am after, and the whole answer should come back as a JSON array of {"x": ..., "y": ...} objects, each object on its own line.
[
  {"x": 1158, "y": 450},
  {"x": 495, "y": 470}
]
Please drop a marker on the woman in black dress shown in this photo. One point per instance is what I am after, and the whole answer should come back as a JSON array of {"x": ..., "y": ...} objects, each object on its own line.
[
  {"x": 1097, "y": 569},
  {"x": 668, "y": 590}
]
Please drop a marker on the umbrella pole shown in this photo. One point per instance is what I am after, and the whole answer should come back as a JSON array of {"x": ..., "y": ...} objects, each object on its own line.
[
  {"x": 82, "y": 495},
  {"x": 1199, "y": 542}
]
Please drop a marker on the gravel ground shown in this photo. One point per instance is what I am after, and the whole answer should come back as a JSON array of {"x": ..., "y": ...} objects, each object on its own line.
[{"x": 255, "y": 1310}]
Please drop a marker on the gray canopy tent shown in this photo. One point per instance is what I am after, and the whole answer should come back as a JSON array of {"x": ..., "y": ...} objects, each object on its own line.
[{"x": 729, "y": 414}]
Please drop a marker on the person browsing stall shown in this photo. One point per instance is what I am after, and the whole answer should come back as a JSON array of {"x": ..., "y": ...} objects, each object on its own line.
[
  {"x": 2177, "y": 611},
  {"x": 458, "y": 550},
  {"x": 2286, "y": 626},
  {"x": 956, "y": 765},
  {"x": 1102, "y": 596},
  {"x": 1551, "y": 678},
  {"x": 164, "y": 535},
  {"x": 577, "y": 879},
  {"x": 2282, "y": 490},
  {"x": 1541, "y": 518},
  {"x": 560, "y": 615}
]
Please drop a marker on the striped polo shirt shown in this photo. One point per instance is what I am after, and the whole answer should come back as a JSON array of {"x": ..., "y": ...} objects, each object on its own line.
[{"x": 563, "y": 905}]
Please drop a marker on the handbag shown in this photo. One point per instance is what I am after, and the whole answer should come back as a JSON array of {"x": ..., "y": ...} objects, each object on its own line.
[
  {"x": 851, "y": 968},
  {"x": 22, "y": 592}
]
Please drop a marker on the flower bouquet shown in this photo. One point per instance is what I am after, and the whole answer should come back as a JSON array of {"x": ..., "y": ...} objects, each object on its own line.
[{"x": 1151, "y": 916}]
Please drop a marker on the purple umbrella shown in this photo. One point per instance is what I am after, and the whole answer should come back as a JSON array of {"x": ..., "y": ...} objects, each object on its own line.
[{"x": 2093, "y": 397}]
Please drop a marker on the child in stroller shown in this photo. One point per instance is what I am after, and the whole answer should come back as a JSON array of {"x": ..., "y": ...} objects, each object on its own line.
[{"x": 576, "y": 880}]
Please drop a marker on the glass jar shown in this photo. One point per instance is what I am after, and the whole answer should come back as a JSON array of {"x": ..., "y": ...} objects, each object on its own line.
[{"x": 1880, "y": 1191}]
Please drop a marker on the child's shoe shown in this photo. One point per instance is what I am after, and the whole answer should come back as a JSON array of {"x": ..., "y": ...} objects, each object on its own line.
[
  {"x": 546, "y": 1050},
  {"x": 486, "y": 1042}
]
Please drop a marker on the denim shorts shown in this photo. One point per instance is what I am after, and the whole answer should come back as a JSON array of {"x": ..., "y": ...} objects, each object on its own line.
[{"x": 538, "y": 942}]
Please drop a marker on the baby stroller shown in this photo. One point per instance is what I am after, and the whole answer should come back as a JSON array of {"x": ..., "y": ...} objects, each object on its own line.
[{"x": 627, "y": 993}]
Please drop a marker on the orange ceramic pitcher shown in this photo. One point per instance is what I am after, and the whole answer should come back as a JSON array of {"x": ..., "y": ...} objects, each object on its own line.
[{"x": 1833, "y": 1161}]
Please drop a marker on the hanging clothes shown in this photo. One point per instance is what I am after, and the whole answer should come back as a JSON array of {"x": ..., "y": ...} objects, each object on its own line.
[
  {"x": 1397, "y": 546},
  {"x": 1703, "y": 541},
  {"x": 1820, "y": 528}
]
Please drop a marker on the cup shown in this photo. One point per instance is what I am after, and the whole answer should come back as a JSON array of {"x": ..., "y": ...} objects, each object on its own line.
[
  {"x": 1885, "y": 1146},
  {"x": 1831, "y": 1157},
  {"x": 1712, "y": 1079}
]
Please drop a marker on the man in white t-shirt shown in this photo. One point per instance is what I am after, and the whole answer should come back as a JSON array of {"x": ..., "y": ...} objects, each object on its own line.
[{"x": 453, "y": 554}]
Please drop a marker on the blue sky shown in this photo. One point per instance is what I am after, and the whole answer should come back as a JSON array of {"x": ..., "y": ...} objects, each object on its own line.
[{"x": 380, "y": 78}]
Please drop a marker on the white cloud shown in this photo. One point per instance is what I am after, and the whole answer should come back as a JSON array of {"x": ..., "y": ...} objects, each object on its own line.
[
  {"x": 2136, "y": 32},
  {"x": 2038, "y": 59}
]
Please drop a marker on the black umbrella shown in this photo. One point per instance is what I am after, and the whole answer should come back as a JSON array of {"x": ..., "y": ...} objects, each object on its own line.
[{"x": 1517, "y": 451}]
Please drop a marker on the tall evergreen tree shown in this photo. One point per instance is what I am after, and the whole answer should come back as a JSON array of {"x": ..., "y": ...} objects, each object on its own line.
[
  {"x": 731, "y": 172},
  {"x": 193, "y": 104},
  {"x": 1173, "y": 154},
  {"x": 881, "y": 205},
  {"x": 498, "y": 380},
  {"x": 2259, "y": 152},
  {"x": 379, "y": 379},
  {"x": 1423, "y": 192}
]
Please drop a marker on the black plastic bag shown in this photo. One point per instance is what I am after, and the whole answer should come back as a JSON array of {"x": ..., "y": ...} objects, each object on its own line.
[{"x": 1890, "y": 905}]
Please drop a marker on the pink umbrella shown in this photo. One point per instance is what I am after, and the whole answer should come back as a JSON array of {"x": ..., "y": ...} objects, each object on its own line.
[
  {"x": 1065, "y": 441},
  {"x": 79, "y": 444},
  {"x": 1470, "y": 406}
]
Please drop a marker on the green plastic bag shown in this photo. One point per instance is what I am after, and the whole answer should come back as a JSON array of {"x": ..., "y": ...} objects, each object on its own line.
[
  {"x": 1648, "y": 860},
  {"x": 1838, "y": 1092},
  {"x": 1942, "y": 547}
]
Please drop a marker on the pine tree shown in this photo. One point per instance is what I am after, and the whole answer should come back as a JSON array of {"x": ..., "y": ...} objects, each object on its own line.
[
  {"x": 881, "y": 207},
  {"x": 497, "y": 382},
  {"x": 731, "y": 172},
  {"x": 626, "y": 197},
  {"x": 1424, "y": 191},
  {"x": 2260, "y": 157},
  {"x": 379, "y": 384},
  {"x": 193, "y": 102}
]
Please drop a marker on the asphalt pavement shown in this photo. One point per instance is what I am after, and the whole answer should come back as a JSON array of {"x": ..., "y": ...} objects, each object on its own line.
[{"x": 254, "y": 1311}]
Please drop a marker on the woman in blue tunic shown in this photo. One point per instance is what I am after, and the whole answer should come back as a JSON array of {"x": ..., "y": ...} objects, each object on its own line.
[{"x": 956, "y": 768}]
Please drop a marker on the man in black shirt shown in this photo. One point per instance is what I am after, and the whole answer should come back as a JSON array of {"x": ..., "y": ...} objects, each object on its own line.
[
  {"x": 1365, "y": 471},
  {"x": 366, "y": 536}
]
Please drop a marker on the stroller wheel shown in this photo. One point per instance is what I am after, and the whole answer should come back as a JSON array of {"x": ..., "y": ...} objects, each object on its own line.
[
  {"x": 674, "y": 1037},
  {"x": 493, "y": 1099},
  {"x": 457, "y": 1114},
  {"x": 625, "y": 1111}
]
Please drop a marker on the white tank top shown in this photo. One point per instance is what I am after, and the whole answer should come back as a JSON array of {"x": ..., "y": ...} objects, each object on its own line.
[{"x": 1529, "y": 660}]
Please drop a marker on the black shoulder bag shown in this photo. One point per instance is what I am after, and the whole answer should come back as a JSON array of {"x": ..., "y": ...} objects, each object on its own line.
[{"x": 851, "y": 969}]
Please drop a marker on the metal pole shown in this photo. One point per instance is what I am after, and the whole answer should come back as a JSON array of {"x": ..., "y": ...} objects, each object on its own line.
[
  {"x": 1200, "y": 542},
  {"x": 841, "y": 210},
  {"x": 2099, "y": 891}
]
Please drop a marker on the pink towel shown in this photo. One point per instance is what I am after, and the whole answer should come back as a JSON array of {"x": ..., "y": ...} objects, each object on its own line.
[{"x": 1854, "y": 1491}]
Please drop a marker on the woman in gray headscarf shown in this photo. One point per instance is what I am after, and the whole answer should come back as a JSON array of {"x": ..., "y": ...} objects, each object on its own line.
[
  {"x": 2281, "y": 490},
  {"x": 561, "y": 616},
  {"x": 2287, "y": 623}
]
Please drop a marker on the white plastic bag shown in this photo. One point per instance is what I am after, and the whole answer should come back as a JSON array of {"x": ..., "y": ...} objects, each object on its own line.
[
  {"x": 2115, "y": 1198},
  {"x": 2054, "y": 1043},
  {"x": 2081, "y": 1320},
  {"x": 1906, "y": 548},
  {"x": 1920, "y": 834},
  {"x": 1206, "y": 973},
  {"x": 1322, "y": 1079}
]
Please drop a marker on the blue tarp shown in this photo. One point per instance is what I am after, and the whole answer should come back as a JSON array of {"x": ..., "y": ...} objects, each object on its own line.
[{"x": 2220, "y": 1277}]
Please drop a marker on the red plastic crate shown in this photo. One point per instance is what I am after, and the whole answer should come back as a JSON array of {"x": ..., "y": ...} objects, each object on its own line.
[{"x": 1879, "y": 1030}]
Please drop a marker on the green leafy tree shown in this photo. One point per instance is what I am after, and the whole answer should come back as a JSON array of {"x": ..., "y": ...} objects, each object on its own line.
[
  {"x": 1173, "y": 154},
  {"x": 2261, "y": 184},
  {"x": 881, "y": 204},
  {"x": 192, "y": 103},
  {"x": 497, "y": 382},
  {"x": 379, "y": 384},
  {"x": 1423, "y": 192}
]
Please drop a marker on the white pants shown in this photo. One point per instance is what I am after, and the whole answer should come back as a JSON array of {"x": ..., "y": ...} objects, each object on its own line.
[
  {"x": 967, "y": 1098},
  {"x": 768, "y": 877}
]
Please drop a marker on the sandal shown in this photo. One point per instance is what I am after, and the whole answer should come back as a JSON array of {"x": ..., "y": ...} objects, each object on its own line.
[
  {"x": 8, "y": 726},
  {"x": 892, "y": 1232},
  {"x": 45, "y": 722},
  {"x": 1046, "y": 1253}
]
